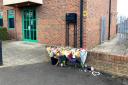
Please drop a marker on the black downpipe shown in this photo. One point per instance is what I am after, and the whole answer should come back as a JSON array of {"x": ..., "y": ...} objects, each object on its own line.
[
  {"x": 1, "y": 57},
  {"x": 109, "y": 23},
  {"x": 81, "y": 23}
]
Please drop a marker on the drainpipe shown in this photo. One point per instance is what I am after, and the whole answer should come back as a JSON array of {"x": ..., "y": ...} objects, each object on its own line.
[
  {"x": 109, "y": 23},
  {"x": 15, "y": 24},
  {"x": 1, "y": 59},
  {"x": 81, "y": 23}
]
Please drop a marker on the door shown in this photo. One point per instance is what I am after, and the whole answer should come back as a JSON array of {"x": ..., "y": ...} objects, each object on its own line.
[{"x": 29, "y": 25}]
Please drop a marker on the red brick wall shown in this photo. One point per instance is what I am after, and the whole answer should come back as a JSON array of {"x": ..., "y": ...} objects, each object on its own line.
[
  {"x": 18, "y": 23},
  {"x": 12, "y": 33},
  {"x": 113, "y": 64},
  {"x": 97, "y": 9},
  {"x": 51, "y": 21}
]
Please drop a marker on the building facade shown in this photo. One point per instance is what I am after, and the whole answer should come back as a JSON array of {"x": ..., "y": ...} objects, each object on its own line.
[{"x": 44, "y": 21}]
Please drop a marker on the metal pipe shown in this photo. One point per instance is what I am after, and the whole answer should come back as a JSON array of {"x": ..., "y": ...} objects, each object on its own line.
[
  {"x": 67, "y": 34},
  {"x": 15, "y": 24},
  {"x": 75, "y": 35},
  {"x": 81, "y": 23},
  {"x": 1, "y": 58},
  {"x": 109, "y": 23}
]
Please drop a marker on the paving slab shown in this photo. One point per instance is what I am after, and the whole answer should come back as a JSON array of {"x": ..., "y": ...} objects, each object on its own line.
[{"x": 21, "y": 53}]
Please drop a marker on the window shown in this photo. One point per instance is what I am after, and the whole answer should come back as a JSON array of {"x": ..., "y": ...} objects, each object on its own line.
[
  {"x": 11, "y": 19},
  {"x": 1, "y": 18}
]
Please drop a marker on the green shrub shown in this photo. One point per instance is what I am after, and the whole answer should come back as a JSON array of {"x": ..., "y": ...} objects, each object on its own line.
[{"x": 3, "y": 33}]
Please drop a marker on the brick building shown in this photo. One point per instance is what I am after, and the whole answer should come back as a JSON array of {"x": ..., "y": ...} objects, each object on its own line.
[{"x": 44, "y": 21}]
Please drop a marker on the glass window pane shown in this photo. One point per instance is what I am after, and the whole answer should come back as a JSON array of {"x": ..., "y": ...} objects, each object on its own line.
[
  {"x": 1, "y": 18},
  {"x": 11, "y": 22},
  {"x": 34, "y": 24},
  {"x": 34, "y": 35},
  {"x": 11, "y": 13},
  {"x": 31, "y": 34},
  {"x": 1, "y": 22},
  {"x": 11, "y": 16},
  {"x": 27, "y": 34},
  {"x": 1, "y": 14},
  {"x": 24, "y": 24}
]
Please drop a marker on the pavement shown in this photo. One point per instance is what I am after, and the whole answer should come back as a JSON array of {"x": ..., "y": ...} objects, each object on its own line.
[
  {"x": 116, "y": 46},
  {"x": 22, "y": 53},
  {"x": 26, "y": 64}
]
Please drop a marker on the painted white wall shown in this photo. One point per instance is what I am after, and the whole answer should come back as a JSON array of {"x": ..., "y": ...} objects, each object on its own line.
[{"x": 7, "y": 2}]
